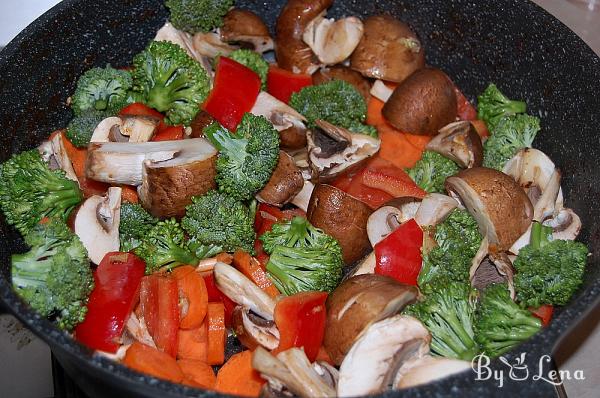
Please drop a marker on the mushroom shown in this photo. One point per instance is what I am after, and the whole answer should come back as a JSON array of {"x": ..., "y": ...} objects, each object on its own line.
[
  {"x": 210, "y": 45},
  {"x": 341, "y": 72},
  {"x": 290, "y": 50},
  {"x": 460, "y": 142},
  {"x": 243, "y": 291},
  {"x": 381, "y": 91},
  {"x": 378, "y": 354},
  {"x": 58, "y": 153},
  {"x": 486, "y": 274},
  {"x": 333, "y": 150},
  {"x": 252, "y": 330},
  {"x": 246, "y": 29},
  {"x": 388, "y": 217},
  {"x": 302, "y": 199},
  {"x": 365, "y": 266},
  {"x": 202, "y": 120},
  {"x": 97, "y": 224},
  {"x": 502, "y": 209},
  {"x": 103, "y": 131},
  {"x": 343, "y": 217},
  {"x": 389, "y": 50},
  {"x": 429, "y": 369},
  {"x": 357, "y": 303},
  {"x": 423, "y": 103},
  {"x": 285, "y": 182},
  {"x": 183, "y": 39},
  {"x": 137, "y": 330},
  {"x": 169, "y": 185},
  {"x": 122, "y": 162},
  {"x": 434, "y": 209},
  {"x": 333, "y": 41},
  {"x": 139, "y": 128}
]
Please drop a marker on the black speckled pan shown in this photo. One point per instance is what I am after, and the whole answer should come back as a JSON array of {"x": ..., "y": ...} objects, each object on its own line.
[{"x": 527, "y": 52}]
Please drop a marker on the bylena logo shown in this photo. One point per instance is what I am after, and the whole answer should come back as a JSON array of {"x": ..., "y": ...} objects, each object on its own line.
[{"x": 519, "y": 371}]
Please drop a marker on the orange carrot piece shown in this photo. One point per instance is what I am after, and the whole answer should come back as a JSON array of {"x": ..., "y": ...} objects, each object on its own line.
[
  {"x": 192, "y": 289},
  {"x": 193, "y": 343},
  {"x": 250, "y": 267},
  {"x": 238, "y": 377},
  {"x": 129, "y": 194},
  {"x": 156, "y": 363},
  {"x": 197, "y": 373},
  {"x": 216, "y": 334},
  {"x": 78, "y": 156},
  {"x": 224, "y": 258}
]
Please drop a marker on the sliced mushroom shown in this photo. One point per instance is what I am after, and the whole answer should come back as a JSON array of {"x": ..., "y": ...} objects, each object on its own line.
[
  {"x": 502, "y": 209},
  {"x": 202, "y": 120},
  {"x": 252, "y": 330},
  {"x": 291, "y": 51},
  {"x": 359, "y": 302},
  {"x": 285, "y": 182},
  {"x": 365, "y": 266},
  {"x": 341, "y": 72},
  {"x": 387, "y": 218},
  {"x": 139, "y": 128},
  {"x": 97, "y": 224},
  {"x": 243, "y": 291},
  {"x": 137, "y": 330},
  {"x": 183, "y": 39},
  {"x": 302, "y": 199},
  {"x": 61, "y": 157},
  {"x": 389, "y": 50},
  {"x": 381, "y": 91},
  {"x": 429, "y": 369},
  {"x": 333, "y": 41},
  {"x": 486, "y": 274},
  {"x": 460, "y": 142},
  {"x": 333, "y": 150},
  {"x": 210, "y": 45},
  {"x": 343, "y": 217},
  {"x": 379, "y": 352},
  {"x": 434, "y": 209},
  {"x": 104, "y": 130},
  {"x": 246, "y": 29},
  {"x": 505, "y": 268}
]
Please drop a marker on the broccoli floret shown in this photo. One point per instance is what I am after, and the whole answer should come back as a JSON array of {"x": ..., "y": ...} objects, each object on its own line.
[
  {"x": 54, "y": 276},
  {"x": 548, "y": 271},
  {"x": 170, "y": 81},
  {"x": 135, "y": 224},
  {"x": 101, "y": 89},
  {"x": 500, "y": 324},
  {"x": 30, "y": 191},
  {"x": 165, "y": 246},
  {"x": 297, "y": 232},
  {"x": 458, "y": 240},
  {"x": 216, "y": 219},
  {"x": 492, "y": 106},
  {"x": 447, "y": 312},
  {"x": 254, "y": 61},
  {"x": 336, "y": 102},
  {"x": 510, "y": 135},
  {"x": 247, "y": 157},
  {"x": 81, "y": 128},
  {"x": 195, "y": 16},
  {"x": 431, "y": 171}
]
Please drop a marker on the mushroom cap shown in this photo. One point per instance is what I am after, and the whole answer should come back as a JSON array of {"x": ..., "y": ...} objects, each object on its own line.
[
  {"x": 342, "y": 216},
  {"x": 389, "y": 50},
  {"x": 358, "y": 302},
  {"x": 501, "y": 207},
  {"x": 429, "y": 369},
  {"x": 247, "y": 29},
  {"x": 423, "y": 103},
  {"x": 388, "y": 217},
  {"x": 285, "y": 182},
  {"x": 333, "y": 41},
  {"x": 253, "y": 331},
  {"x": 460, "y": 142},
  {"x": 341, "y": 72}
]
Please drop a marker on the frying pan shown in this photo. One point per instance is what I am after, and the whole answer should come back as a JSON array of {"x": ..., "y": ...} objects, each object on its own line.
[{"x": 516, "y": 44}]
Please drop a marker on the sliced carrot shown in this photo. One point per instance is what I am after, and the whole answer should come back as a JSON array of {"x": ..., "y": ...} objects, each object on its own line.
[
  {"x": 250, "y": 267},
  {"x": 238, "y": 377},
  {"x": 129, "y": 194},
  {"x": 78, "y": 156},
  {"x": 418, "y": 141},
  {"x": 216, "y": 334},
  {"x": 151, "y": 361},
  {"x": 193, "y": 343},
  {"x": 224, "y": 258},
  {"x": 192, "y": 290},
  {"x": 198, "y": 373}
]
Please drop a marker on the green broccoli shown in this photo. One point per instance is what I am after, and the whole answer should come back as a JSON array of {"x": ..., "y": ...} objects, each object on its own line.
[
  {"x": 431, "y": 171},
  {"x": 447, "y": 312},
  {"x": 500, "y": 324},
  {"x": 492, "y": 106},
  {"x": 170, "y": 81},
  {"x": 195, "y": 16},
  {"x": 135, "y": 224},
  {"x": 218, "y": 220},
  {"x": 510, "y": 135},
  {"x": 548, "y": 271},
  {"x": 101, "y": 89},
  {"x": 30, "y": 191},
  {"x": 247, "y": 157},
  {"x": 165, "y": 246},
  {"x": 81, "y": 128},
  {"x": 336, "y": 102},
  {"x": 297, "y": 232},
  {"x": 458, "y": 240},
  {"x": 254, "y": 61},
  {"x": 54, "y": 276}
]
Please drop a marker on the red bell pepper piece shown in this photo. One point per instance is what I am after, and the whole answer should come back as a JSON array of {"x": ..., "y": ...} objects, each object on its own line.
[
  {"x": 281, "y": 83},
  {"x": 115, "y": 294},
  {"x": 544, "y": 313},
  {"x": 216, "y": 296},
  {"x": 169, "y": 133},
  {"x": 399, "y": 254},
  {"x": 159, "y": 299},
  {"x": 301, "y": 322},
  {"x": 234, "y": 93},
  {"x": 465, "y": 110}
]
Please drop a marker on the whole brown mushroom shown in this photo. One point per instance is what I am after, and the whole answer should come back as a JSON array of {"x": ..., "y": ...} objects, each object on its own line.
[
  {"x": 285, "y": 182},
  {"x": 246, "y": 29},
  {"x": 460, "y": 142}
]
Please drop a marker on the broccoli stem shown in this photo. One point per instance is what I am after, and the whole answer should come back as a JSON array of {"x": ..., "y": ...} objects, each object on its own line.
[
  {"x": 181, "y": 256},
  {"x": 100, "y": 105},
  {"x": 540, "y": 235}
]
